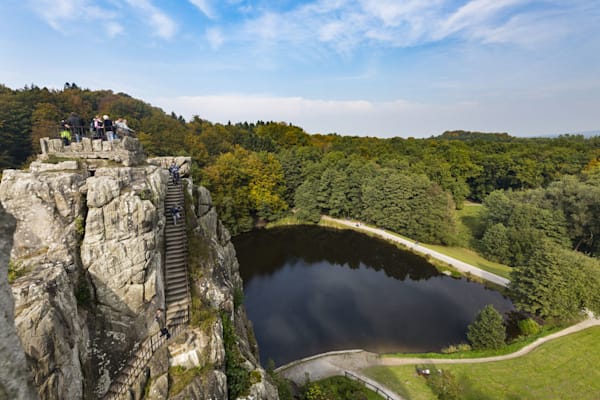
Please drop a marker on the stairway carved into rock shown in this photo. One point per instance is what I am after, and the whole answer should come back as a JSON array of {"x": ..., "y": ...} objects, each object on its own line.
[
  {"x": 177, "y": 293},
  {"x": 177, "y": 296}
]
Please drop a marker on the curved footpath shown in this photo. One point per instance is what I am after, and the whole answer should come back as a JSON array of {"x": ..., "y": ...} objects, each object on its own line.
[
  {"x": 459, "y": 265},
  {"x": 337, "y": 362}
]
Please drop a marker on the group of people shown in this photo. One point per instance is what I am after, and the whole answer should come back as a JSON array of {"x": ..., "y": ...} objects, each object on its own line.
[
  {"x": 73, "y": 128},
  {"x": 104, "y": 128}
]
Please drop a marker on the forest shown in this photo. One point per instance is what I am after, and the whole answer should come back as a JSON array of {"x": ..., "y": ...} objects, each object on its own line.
[{"x": 540, "y": 196}]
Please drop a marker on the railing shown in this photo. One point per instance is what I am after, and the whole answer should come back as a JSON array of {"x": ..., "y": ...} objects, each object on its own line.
[
  {"x": 369, "y": 385},
  {"x": 136, "y": 364},
  {"x": 83, "y": 131}
]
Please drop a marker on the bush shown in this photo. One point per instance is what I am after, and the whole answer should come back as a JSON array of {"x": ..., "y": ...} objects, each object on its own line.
[
  {"x": 238, "y": 378},
  {"x": 456, "y": 348},
  {"x": 443, "y": 384},
  {"x": 529, "y": 327},
  {"x": 488, "y": 330}
]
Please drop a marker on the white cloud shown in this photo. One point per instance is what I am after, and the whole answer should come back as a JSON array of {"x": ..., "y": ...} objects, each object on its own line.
[
  {"x": 347, "y": 24},
  {"x": 521, "y": 115},
  {"x": 214, "y": 37},
  {"x": 162, "y": 24},
  {"x": 60, "y": 14},
  {"x": 114, "y": 29},
  {"x": 205, "y": 7}
]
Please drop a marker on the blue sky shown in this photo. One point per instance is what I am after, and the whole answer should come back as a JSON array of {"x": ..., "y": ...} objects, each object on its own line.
[{"x": 356, "y": 67}]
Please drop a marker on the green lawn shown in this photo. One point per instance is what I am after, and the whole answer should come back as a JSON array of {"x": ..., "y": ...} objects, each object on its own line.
[
  {"x": 565, "y": 368},
  {"x": 471, "y": 257}
]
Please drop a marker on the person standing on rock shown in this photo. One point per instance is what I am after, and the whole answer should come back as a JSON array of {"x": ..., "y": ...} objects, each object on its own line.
[{"x": 108, "y": 128}]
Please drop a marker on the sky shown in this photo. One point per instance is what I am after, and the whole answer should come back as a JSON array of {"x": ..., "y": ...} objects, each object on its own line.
[{"x": 384, "y": 68}]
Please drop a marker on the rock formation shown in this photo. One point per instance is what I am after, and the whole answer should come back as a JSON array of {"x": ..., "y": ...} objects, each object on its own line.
[
  {"x": 15, "y": 376},
  {"x": 87, "y": 255}
]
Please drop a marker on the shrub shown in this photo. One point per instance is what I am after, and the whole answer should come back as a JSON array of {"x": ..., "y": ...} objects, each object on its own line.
[
  {"x": 529, "y": 327},
  {"x": 488, "y": 330},
  {"x": 456, "y": 348},
  {"x": 443, "y": 384}
]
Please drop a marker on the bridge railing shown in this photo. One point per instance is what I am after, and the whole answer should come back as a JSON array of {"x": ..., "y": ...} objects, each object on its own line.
[
  {"x": 369, "y": 385},
  {"x": 128, "y": 375}
]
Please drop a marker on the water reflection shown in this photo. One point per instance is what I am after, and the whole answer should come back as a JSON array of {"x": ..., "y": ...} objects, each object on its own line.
[{"x": 311, "y": 289}]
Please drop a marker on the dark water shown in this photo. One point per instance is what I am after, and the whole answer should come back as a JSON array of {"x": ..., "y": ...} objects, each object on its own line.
[{"x": 310, "y": 290}]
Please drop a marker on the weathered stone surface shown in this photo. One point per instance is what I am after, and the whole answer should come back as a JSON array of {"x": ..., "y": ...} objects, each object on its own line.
[
  {"x": 204, "y": 201},
  {"x": 101, "y": 238},
  {"x": 212, "y": 385},
  {"x": 15, "y": 377},
  {"x": 37, "y": 166},
  {"x": 200, "y": 348},
  {"x": 48, "y": 324},
  {"x": 184, "y": 163},
  {"x": 46, "y": 207},
  {"x": 159, "y": 389},
  {"x": 102, "y": 190}
]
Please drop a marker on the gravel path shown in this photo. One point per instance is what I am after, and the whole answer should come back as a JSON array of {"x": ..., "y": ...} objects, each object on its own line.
[
  {"x": 337, "y": 362},
  {"x": 459, "y": 265}
]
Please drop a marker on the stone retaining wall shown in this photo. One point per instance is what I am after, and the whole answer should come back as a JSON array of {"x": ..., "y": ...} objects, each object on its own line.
[{"x": 127, "y": 150}]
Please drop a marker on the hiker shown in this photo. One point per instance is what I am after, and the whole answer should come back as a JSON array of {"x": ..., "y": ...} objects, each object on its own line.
[
  {"x": 158, "y": 315},
  {"x": 165, "y": 332},
  {"x": 65, "y": 134},
  {"x": 174, "y": 171},
  {"x": 175, "y": 212},
  {"x": 108, "y": 128},
  {"x": 98, "y": 127},
  {"x": 76, "y": 126},
  {"x": 122, "y": 128}
]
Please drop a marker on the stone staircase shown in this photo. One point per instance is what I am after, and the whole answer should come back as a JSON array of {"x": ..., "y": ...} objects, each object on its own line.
[{"x": 177, "y": 297}]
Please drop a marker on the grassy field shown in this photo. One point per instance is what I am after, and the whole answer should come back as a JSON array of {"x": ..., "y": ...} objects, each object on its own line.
[{"x": 565, "y": 368}]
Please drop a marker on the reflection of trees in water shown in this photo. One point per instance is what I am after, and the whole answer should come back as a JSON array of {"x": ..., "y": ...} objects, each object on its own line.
[{"x": 264, "y": 251}]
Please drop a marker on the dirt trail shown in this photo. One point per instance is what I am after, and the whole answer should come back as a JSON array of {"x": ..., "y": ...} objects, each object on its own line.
[{"x": 459, "y": 265}]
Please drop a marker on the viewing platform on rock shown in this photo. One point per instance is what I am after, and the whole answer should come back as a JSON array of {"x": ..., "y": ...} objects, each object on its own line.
[{"x": 127, "y": 150}]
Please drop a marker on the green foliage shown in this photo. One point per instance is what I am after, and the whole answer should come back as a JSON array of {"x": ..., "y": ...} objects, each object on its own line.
[
  {"x": 80, "y": 226},
  {"x": 443, "y": 384},
  {"x": 15, "y": 270},
  {"x": 238, "y": 378},
  {"x": 259, "y": 171},
  {"x": 180, "y": 378},
  {"x": 488, "y": 330},
  {"x": 528, "y": 327},
  {"x": 556, "y": 283},
  {"x": 336, "y": 387},
  {"x": 456, "y": 348},
  {"x": 238, "y": 297},
  {"x": 83, "y": 293}
]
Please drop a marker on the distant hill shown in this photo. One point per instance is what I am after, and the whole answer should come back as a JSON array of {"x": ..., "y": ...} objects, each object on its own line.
[{"x": 469, "y": 135}]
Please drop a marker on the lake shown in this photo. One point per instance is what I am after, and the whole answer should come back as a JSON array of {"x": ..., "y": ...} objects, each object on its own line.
[{"x": 309, "y": 289}]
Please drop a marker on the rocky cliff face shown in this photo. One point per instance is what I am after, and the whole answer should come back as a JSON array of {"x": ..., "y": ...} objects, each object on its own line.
[
  {"x": 88, "y": 256},
  {"x": 15, "y": 378}
]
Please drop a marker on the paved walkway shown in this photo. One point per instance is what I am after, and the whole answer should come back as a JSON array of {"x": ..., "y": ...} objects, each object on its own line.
[
  {"x": 337, "y": 362},
  {"x": 459, "y": 265}
]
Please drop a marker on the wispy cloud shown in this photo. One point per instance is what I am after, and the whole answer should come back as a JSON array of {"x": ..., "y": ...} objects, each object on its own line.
[
  {"x": 397, "y": 117},
  {"x": 215, "y": 38},
  {"x": 205, "y": 6},
  {"x": 114, "y": 29},
  {"x": 162, "y": 25},
  {"x": 60, "y": 14},
  {"x": 347, "y": 24}
]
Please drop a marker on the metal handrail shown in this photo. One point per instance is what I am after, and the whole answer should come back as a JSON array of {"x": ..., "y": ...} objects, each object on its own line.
[
  {"x": 369, "y": 385},
  {"x": 131, "y": 371}
]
